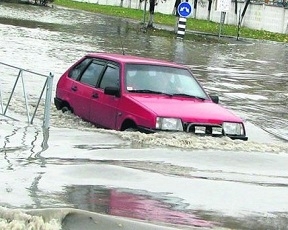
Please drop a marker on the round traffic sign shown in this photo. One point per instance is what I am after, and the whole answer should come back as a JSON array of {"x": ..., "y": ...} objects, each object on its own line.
[{"x": 184, "y": 9}]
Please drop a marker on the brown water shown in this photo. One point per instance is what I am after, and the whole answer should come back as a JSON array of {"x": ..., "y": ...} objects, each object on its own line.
[{"x": 176, "y": 179}]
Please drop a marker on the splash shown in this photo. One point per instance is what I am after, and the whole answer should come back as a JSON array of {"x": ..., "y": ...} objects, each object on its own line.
[{"x": 163, "y": 139}]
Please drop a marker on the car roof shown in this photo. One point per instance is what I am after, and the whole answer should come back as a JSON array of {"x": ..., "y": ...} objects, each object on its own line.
[{"x": 134, "y": 59}]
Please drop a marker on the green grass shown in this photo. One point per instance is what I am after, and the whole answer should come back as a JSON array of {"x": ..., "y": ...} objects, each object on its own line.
[{"x": 169, "y": 20}]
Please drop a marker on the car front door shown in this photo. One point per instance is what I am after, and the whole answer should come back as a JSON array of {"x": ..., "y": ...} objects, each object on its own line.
[{"x": 104, "y": 108}]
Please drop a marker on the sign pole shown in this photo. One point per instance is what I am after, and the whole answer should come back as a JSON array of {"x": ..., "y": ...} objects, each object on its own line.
[
  {"x": 181, "y": 27},
  {"x": 223, "y": 6},
  {"x": 184, "y": 10},
  {"x": 222, "y": 20}
]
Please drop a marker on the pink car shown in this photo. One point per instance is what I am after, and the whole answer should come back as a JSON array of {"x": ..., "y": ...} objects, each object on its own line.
[{"x": 124, "y": 92}]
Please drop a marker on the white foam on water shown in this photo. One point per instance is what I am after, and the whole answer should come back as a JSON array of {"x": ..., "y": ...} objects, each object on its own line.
[
  {"x": 192, "y": 142},
  {"x": 259, "y": 140},
  {"x": 188, "y": 141},
  {"x": 13, "y": 219}
]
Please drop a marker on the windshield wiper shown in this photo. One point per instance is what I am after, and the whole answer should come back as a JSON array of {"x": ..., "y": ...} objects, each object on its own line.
[
  {"x": 148, "y": 91},
  {"x": 188, "y": 95}
]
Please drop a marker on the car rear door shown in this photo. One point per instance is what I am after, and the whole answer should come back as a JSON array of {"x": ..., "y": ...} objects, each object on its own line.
[
  {"x": 83, "y": 89},
  {"x": 104, "y": 108}
]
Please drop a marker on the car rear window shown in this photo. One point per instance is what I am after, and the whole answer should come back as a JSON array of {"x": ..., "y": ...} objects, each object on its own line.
[{"x": 79, "y": 68}]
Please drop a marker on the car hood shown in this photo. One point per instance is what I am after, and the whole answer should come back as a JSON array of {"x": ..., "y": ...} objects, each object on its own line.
[{"x": 188, "y": 109}]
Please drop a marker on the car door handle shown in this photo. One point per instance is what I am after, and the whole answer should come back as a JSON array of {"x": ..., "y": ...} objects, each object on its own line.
[
  {"x": 95, "y": 95},
  {"x": 74, "y": 88}
]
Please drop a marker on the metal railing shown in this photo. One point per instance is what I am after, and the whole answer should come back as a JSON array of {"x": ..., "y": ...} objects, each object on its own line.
[{"x": 47, "y": 104}]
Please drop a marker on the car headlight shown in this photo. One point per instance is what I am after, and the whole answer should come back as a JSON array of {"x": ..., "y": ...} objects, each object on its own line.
[
  {"x": 164, "y": 123},
  {"x": 232, "y": 128}
]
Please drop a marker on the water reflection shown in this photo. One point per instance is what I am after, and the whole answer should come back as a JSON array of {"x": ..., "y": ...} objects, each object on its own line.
[
  {"x": 5, "y": 148},
  {"x": 24, "y": 144},
  {"x": 158, "y": 207},
  {"x": 133, "y": 204}
]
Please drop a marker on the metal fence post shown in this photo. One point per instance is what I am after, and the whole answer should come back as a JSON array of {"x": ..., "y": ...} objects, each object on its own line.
[
  {"x": 25, "y": 98},
  {"x": 48, "y": 100},
  {"x": 1, "y": 101}
]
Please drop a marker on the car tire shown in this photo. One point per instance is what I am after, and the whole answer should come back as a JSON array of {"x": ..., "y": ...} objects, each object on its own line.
[
  {"x": 65, "y": 109},
  {"x": 131, "y": 129}
]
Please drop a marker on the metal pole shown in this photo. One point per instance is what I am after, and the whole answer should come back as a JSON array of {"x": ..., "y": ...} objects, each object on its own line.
[
  {"x": 20, "y": 72},
  {"x": 39, "y": 99},
  {"x": 222, "y": 20},
  {"x": 48, "y": 100},
  {"x": 1, "y": 100},
  {"x": 25, "y": 98}
]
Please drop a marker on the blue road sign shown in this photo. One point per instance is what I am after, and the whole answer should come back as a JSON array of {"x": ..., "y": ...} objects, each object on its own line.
[{"x": 184, "y": 9}]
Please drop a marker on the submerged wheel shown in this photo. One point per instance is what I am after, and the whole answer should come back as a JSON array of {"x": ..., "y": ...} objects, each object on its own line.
[
  {"x": 131, "y": 129},
  {"x": 65, "y": 109}
]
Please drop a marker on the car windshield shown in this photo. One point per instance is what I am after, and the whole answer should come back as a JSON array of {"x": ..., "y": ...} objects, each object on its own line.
[{"x": 143, "y": 78}]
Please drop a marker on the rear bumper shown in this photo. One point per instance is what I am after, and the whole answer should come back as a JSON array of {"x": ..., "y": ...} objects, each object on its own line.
[{"x": 58, "y": 103}]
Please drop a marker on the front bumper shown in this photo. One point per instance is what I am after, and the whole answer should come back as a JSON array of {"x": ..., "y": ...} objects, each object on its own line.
[
  {"x": 214, "y": 130},
  {"x": 243, "y": 138},
  {"x": 233, "y": 137}
]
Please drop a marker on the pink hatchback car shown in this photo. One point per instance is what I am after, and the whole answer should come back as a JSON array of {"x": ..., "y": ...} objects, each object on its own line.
[{"x": 124, "y": 92}]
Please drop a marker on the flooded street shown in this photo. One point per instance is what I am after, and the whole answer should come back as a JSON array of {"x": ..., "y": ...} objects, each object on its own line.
[{"x": 174, "y": 180}]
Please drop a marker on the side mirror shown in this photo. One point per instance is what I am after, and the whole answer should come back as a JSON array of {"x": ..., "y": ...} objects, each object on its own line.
[
  {"x": 114, "y": 91},
  {"x": 214, "y": 98}
]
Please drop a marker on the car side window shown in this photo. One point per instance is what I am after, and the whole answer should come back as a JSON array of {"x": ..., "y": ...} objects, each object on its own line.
[
  {"x": 110, "y": 77},
  {"x": 78, "y": 69},
  {"x": 92, "y": 73}
]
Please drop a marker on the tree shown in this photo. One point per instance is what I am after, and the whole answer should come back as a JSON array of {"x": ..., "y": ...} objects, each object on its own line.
[{"x": 152, "y": 4}]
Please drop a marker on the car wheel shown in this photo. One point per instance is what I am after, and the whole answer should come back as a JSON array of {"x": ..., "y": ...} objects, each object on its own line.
[
  {"x": 66, "y": 109},
  {"x": 131, "y": 129}
]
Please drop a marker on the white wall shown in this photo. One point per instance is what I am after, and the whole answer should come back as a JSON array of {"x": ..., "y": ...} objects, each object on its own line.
[{"x": 258, "y": 16}]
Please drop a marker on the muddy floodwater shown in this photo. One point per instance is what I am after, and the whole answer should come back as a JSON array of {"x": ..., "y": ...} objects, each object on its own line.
[{"x": 74, "y": 175}]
